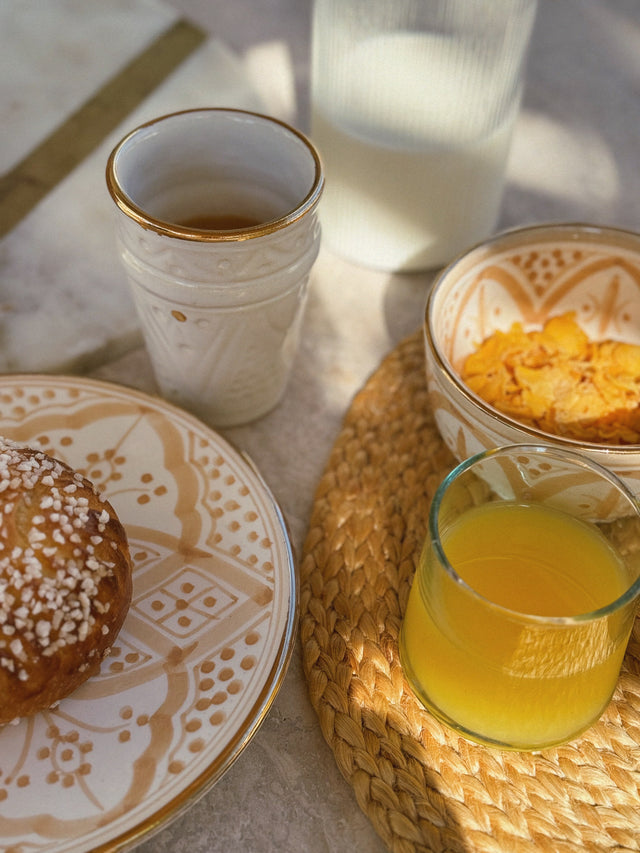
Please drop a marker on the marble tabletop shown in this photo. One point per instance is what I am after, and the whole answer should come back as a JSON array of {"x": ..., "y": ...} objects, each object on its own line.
[{"x": 64, "y": 303}]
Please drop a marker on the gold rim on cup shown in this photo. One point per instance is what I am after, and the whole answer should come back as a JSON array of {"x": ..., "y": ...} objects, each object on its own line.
[{"x": 160, "y": 226}]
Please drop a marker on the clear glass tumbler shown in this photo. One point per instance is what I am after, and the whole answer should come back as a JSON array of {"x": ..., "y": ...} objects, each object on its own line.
[
  {"x": 413, "y": 107},
  {"x": 524, "y": 597}
]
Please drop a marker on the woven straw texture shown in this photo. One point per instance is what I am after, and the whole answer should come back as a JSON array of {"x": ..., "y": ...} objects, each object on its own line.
[{"x": 423, "y": 787}]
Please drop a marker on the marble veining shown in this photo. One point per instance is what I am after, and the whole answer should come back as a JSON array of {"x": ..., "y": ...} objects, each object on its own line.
[
  {"x": 61, "y": 285},
  {"x": 54, "y": 55}
]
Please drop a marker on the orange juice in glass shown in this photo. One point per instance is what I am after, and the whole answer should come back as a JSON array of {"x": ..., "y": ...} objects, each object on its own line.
[{"x": 524, "y": 597}]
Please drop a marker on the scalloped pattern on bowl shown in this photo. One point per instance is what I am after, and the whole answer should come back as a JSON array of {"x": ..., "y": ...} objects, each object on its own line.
[{"x": 528, "y": 275}]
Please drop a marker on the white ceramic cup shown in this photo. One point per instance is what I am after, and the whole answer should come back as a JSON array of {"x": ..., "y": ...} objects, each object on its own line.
[{"x": 217, "y": 230}]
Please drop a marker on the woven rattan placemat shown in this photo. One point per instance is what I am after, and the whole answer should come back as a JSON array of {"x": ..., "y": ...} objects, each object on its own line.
[{"x": 423, "y": 787}]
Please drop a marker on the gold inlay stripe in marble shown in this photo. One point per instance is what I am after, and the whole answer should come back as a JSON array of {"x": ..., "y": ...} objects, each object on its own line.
[{"x": 56, "y": 156}]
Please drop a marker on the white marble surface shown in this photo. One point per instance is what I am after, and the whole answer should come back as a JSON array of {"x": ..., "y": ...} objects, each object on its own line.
[
  {"x": 54, "y": 55},
  {"x": 576, "y": 157},
  {"x": 58, "y": 267}
]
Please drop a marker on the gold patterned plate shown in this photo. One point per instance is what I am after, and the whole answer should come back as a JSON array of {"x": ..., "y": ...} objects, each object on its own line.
[{"x": 205, "y": 645}]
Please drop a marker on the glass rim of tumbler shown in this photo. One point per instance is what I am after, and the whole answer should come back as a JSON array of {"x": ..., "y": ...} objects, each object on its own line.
[
  {"x": 161, "y": 226},
  {"x": 631, "y": 592}
]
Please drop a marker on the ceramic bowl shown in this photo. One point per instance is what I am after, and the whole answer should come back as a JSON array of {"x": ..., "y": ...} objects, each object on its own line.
[{"x": 528, "y": 275}]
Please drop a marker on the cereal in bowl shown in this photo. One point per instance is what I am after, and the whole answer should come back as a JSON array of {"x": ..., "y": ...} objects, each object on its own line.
[{"x": 560, "y": 381}]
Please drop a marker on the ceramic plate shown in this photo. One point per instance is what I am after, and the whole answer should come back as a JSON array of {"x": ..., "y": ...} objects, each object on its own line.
[{"x": 206, "y": 642}]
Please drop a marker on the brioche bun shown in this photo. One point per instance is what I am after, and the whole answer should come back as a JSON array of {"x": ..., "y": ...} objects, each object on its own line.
[{"x": 65, "y": 580}]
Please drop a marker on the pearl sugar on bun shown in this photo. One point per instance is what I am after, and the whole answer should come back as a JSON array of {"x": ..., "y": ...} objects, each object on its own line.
[{"x": 65, "y": 580}]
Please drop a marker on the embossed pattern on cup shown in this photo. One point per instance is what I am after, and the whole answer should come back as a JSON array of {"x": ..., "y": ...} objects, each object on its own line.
[{"x": 231, "y": 327}]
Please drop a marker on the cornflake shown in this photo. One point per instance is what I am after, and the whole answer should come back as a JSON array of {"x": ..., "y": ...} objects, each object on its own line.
[{"x": 558, "y": 380}]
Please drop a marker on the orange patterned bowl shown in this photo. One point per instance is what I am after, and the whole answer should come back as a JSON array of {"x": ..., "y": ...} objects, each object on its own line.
[{"x": 528, "y": 275}]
